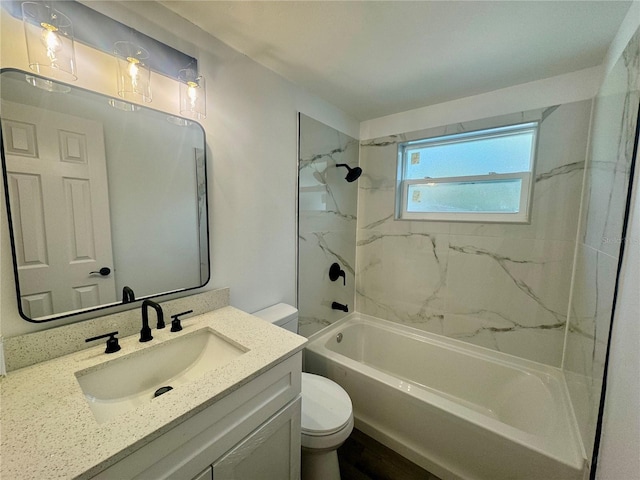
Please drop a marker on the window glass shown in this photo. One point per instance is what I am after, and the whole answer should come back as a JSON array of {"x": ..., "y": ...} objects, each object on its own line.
[
  {"x": 477, "y": 156},
  {"x": 496, "y": 196},
  {"x": 474, "y": 174}
]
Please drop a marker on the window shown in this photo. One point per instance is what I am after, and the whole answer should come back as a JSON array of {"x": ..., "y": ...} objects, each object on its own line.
[{"x": 481, "y": 176}]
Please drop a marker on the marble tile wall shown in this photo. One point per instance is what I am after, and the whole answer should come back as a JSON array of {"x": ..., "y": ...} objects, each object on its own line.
[
  {"x": 327, "y": 224},
  {"x": 502, "y": 286},
  {"x": 605, "y": 195}
]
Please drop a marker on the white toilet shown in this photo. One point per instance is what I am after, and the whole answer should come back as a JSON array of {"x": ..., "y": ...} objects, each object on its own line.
[{"x": 327, "y": 413}]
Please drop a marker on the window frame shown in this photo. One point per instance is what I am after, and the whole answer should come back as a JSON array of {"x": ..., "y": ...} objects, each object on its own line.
[{"x": 523, "y": 216}]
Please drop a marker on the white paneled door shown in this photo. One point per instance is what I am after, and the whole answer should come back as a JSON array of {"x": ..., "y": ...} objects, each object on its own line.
[{"x": 57, "y": 184}]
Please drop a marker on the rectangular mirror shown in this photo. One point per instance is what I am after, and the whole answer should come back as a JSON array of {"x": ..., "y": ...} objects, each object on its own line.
[{"x": 101, "y": 195}]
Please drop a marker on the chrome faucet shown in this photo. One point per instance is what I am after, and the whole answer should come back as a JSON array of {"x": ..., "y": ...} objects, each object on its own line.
[{"x": 145, "y": 333}]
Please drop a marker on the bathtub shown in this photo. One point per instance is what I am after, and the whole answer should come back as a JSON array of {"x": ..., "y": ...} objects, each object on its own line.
[{"x": 457, "y": 410}]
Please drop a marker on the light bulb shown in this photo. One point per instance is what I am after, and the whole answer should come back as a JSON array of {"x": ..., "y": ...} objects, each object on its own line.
[
  {"x": 50, "y": 40},
  {"x": 192, "y": 93},
  {"x": 133, "y": 73},
  {"x": 133, "y": 70}
]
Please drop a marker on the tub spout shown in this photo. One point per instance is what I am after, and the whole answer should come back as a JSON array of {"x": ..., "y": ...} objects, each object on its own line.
[{"x": 339, "y": 306}]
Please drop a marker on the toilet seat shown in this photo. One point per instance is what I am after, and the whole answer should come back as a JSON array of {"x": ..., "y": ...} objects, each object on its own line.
[{"x": 326, "y": 407}]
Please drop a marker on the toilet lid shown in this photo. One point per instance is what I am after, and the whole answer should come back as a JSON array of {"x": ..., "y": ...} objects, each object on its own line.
[{"x": 326, "y": 407}]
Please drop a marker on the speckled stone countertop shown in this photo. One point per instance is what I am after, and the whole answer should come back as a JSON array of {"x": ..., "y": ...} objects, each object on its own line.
[{"x": 47, "y": 429}]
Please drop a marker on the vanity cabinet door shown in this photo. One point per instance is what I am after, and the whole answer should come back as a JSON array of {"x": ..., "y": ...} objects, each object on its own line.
[{"x": 271, "y": 451}]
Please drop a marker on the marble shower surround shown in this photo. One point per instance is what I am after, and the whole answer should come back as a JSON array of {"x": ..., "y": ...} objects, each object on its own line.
[
  {"x": 501, "y": 286},
  {"x": 607, "y": 182},
  {"x": 327, "y": 223}
]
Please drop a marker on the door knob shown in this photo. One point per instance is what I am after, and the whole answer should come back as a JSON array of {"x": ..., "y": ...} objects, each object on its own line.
[{"x": 104, "y": 271}]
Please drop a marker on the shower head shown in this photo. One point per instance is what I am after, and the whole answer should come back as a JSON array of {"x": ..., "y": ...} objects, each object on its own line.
[{"x": 353, "y": 174}]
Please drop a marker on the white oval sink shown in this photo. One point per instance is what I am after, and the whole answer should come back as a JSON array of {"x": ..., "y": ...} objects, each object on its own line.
[{"x": 116, "y": 386}]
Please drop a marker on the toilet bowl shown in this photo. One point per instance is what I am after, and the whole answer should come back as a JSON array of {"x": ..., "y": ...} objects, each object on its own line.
[
  {"x": 327, "y": 412},
  {"x": 327, "y": 421}
]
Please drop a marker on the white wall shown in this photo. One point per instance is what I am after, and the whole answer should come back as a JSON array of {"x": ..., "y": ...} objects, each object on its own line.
[
  {"x": 571, "y": 87},
  {"x": 251, "y": 131}
]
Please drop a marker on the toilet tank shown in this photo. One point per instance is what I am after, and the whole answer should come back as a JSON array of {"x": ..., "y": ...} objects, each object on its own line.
[{"x": 282, "y": 315}]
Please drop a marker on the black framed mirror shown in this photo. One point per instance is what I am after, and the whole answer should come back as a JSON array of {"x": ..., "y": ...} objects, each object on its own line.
[{"x": 103, "y": 197}]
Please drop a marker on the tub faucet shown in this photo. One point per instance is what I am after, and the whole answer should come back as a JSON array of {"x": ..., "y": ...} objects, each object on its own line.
[
  {"x": 339, "y": 306},
  {"x": 336, "y": 272},
  {"x": 145, "y": 333}
]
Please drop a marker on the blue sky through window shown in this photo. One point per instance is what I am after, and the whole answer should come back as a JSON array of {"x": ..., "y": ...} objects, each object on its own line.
[{"x": 508, "y": 153}]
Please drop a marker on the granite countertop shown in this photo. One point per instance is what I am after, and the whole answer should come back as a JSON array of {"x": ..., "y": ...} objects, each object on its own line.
[{"x": 47, "y": 429}]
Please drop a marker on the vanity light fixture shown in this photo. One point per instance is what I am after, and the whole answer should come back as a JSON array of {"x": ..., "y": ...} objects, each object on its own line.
[
  {"x": 50, "y": 43},
  {"x": 134, "y": 75},
  {"x": 193, "y": 94}
]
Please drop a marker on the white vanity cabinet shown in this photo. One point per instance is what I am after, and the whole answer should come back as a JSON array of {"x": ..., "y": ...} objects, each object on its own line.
[
  {"x": 271, "y": 452},
  {"x": 253, "y": 433}
]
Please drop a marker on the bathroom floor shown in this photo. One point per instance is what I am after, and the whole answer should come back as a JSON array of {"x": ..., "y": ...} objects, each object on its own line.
[{"x": 363, "y": 458}]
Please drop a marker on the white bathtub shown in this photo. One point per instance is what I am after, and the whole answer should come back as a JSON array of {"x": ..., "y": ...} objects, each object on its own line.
[{"x": 457, "y": 410}]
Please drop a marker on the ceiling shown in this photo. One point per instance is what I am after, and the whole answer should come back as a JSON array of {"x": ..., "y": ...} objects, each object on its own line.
[{"x": 375, "y": 58}]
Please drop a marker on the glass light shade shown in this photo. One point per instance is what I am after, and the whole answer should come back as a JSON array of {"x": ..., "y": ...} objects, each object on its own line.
[
  {"x": 48, "y": 85},
  {"x": 124, "y": 106},
  {"x": 193, "y": 94},
  {"x": 50, "y": 44},
  {"x": 181, "y": 122},
  {"x": 134, "y": 75}
]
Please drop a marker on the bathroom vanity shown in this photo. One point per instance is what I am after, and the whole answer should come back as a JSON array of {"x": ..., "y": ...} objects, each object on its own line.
[{"x": 88, "y": 414}]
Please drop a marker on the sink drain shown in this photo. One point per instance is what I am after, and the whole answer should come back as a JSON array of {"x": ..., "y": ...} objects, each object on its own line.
[{"x": 162, "y": 390}]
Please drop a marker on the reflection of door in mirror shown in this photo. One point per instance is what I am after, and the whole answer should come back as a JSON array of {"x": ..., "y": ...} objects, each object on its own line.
[{"x": 60, "y": 209}]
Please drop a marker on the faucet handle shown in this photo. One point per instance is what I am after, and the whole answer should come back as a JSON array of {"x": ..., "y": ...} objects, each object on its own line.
[
  {"x": 112, "y": 343},
  {"x": 176, "y": 326},
  {"x": 336, "y": 272}
]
